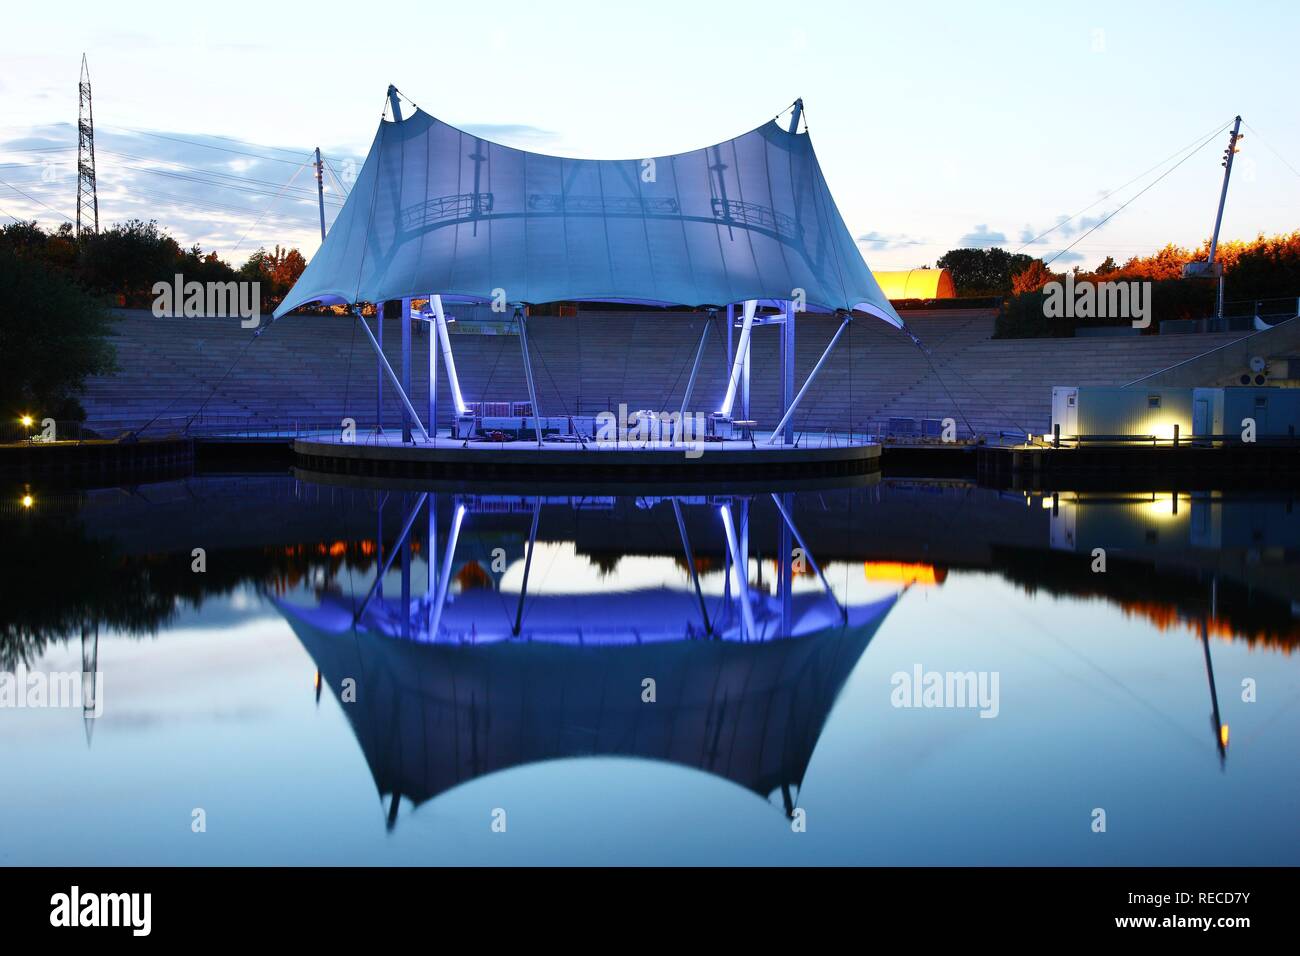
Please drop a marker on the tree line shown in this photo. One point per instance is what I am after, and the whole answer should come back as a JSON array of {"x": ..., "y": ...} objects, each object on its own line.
[
  {"x": 122, "y": 263},
  {"x": 1266, "y": 267},
  {"x": 56, "y": 289}
]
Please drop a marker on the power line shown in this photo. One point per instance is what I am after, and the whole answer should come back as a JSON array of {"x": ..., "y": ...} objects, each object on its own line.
[
  {"x": 196, "y": 169},
  {"x": 174, "y": 199},
  {"x": 1194, "y": 145},
  {"x": 299, "y": 192},
  {"x": 345, "y": 191},
  {"x": 1255, "y": 132},
  {"x": 180, "y": 138},
  {"x": 268, "y": 209},
  {"x": 976, "y": 243},
  {"x": 36, "y": 149},
  {"x": 11, "y": 215},
  {"x": 251, "y": 190},
  {"x": 1125, "y": 186},
  {"x": 224, "y": 149},
  {"x": 1127, "y": 202},
  {"x": 35, "y": 200}
]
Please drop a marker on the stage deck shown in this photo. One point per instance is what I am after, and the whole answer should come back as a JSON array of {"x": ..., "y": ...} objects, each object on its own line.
[{"x": 448, "y": 457}]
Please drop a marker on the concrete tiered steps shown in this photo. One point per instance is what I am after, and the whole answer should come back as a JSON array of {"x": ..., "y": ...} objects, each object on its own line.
[{"x": 318, "y": 370}]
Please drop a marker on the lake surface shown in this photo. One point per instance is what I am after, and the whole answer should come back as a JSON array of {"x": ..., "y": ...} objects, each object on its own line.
[{"x": 906, "y": 672}]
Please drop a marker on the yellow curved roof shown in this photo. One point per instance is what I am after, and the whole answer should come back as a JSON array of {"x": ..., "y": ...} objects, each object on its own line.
[{"x": 917, "y": 284}]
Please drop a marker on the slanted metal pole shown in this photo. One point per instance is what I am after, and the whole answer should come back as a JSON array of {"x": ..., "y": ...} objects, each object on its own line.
[
  {"x": 379, "y": 546},
  {"x": 379, "y": 366},
  {"x": 740, "y": 570},
  {"x": 1215, "y": 719},
  {"x": 744, "y": 385},
  {"x": 786, "y": 567},
  {"x": 444, "y": 576},
  {"x": 406, "y": 576},
  {"x": 690, "y": 564},
  {"x": 1230, "y": 152},
  {"x": 789, "y": 412},
  {"x": 395, "y": 103},
  {"x": 1223, "y": 193},
  {"x": 796, "y": 115},
  {"x": 376, "y": 588},
  {"x": 90, "y": 702},
  {"x": 430, "y": 557},
  {"x": 392, "y": 376},
  {"x": 433, "y": 380},
  {"x": 452, "y": 380},
  {"x": 787, "y": 368},
  {"x": 742, "y": 534},
  {"x": 406, "y": 365},
  {"x": 528, "y": 373},
  {"x": 742, "y": 351},
  {"x": 320, "y": 192},
  {"x": 731, "y": 331},
  {"x": 789, "y": 523},
  {"x": 695, "y": 370},
  {"x": 528, "y": 566}
]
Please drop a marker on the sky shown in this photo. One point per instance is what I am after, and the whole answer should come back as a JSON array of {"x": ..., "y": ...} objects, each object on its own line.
[{"x": 951, "y": 125}]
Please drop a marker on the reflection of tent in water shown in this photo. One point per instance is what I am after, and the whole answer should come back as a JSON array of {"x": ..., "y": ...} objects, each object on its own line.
[
  {"x": 432, "y": 716},
  {"x": 742, "y": 688}
]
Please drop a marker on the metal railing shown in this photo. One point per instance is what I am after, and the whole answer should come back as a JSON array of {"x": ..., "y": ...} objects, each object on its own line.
[
  {"x": 1164, "y": 441},
  {"x": 218, "y": 427},
  {"x": 45, "y": 430}
]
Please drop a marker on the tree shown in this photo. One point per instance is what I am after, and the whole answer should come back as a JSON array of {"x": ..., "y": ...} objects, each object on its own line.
[
  {"x": 983, "y": 272},
  {"x": 1032, "y": 278},
  {"x": 277, "y": 272},
  {"x": 26, "y": 240},
  {"x": 53, "y": 334},
  {"x": 1267, "y": 268},
  {"x": 198, "y": 266},
  {"x": 127, "y": 259}
]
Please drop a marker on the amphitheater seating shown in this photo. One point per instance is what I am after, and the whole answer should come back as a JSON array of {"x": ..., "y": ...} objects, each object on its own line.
[{"x": 316, "y": 370}]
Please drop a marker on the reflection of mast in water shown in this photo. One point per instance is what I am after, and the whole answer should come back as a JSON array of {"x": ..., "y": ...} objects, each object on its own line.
[
  {"x": 1220, "y": 729},
  {"x": 89, "y": 675}
]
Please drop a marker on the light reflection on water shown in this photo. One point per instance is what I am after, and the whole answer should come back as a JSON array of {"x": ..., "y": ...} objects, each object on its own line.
[{"x": 469, "y": 699}]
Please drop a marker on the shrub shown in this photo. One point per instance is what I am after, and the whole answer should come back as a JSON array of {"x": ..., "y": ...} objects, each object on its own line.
[{"x": 53, "y": 334}]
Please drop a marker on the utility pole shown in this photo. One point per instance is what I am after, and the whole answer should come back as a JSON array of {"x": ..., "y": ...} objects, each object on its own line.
[
  {"x": 320, "y": 192},
  {"x": 87, "y": 197},
  {"x": 1228, "y": 153}
]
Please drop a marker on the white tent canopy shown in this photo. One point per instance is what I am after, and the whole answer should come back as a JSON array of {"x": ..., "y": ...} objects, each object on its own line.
[{"x": 436, "y": 210}]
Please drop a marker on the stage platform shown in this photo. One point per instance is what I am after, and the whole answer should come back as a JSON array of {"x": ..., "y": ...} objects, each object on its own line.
[{"x": 447, "y": 457}]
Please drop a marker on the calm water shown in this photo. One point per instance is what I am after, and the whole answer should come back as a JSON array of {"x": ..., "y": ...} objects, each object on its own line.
[{"x": 317, "y": 711}]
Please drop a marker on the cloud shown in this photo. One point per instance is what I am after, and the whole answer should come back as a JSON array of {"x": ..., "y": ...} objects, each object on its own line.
[
  {"x": 511, "y": 133},
  {"x": 1064, "y": 258},
  {"x": 225, "y": 195},
  {"x": 982, "y": 238},
  {"x": 1063, "y": 227},
  {"x": 880, "y": 241}
]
